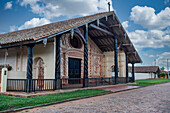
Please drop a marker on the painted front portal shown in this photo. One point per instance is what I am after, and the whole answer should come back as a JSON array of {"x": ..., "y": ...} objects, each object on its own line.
[{"x": 70, "y": 50}]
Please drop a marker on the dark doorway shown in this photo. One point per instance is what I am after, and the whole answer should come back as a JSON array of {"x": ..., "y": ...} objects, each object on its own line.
[{"x": 74, "y": 71}]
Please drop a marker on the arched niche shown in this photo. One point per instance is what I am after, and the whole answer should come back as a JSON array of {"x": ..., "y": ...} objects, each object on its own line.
[{"x": 39, "y": 71}]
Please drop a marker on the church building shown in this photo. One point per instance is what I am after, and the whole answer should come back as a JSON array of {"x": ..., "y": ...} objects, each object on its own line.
[{"x": 80, "y": 52}]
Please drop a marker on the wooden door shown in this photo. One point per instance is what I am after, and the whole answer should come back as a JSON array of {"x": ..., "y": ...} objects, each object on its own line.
[{"x": 74, "y": 71}]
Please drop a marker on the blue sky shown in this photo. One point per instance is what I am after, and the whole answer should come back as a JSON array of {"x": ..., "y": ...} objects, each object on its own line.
[{"x": 147, "y": 22}]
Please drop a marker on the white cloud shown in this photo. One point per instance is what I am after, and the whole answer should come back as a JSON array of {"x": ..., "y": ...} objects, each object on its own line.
[
  {"x": 155, "y": 36},
  {"x": 162, "y": 59},
  {"x": 151, "y": 56},
  {"x": 151, "y": 38},
  {"x": 34, "y": 22},
  {"x": 125, "y": 24},
  {"x": 8, "y": 5},
  {"x": 69, "y": 8},
  {"x": 31, "y": 2},
  {"x": 12, "y": 28},
  {"x": 2, "y": 32},
  {"x": 146, "y": 17}
]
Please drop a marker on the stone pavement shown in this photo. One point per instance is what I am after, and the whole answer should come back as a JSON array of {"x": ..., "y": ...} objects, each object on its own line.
[
  {"x": 152, "y": 99},
  {"x": 118, "y": 88}
]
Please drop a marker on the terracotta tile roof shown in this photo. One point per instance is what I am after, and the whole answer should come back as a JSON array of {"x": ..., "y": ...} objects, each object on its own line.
[
  {"x": 145, "y": 69},
  {"x": 47, "y": 30}
]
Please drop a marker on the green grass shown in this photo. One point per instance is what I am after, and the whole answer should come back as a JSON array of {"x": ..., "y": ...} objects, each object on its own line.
[
  {"x": 9, "y": 102},
  {"x": 148, "y": 82}
]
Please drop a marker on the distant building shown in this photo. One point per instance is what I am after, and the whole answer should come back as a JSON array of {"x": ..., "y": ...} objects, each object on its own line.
[{"x": 145, "y": 72}]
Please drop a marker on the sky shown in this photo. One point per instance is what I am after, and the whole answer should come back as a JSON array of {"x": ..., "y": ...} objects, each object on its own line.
[{"x": 147, "y": 22}]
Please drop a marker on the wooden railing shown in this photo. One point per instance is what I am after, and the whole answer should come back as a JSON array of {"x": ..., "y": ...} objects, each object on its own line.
[{"x": 50, "y": 84}]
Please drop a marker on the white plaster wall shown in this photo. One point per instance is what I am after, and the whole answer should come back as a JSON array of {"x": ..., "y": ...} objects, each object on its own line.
[
  {"x": 47, "y": 54},
  {"x": 11, "y": 58},
  {"x": 15, "y": 59},
  {"x": 16, "y": 75},
  {"x": 139, "y": 76},
  {"x": 122, "y": 64},
  {"x": 109, "y": 62}
]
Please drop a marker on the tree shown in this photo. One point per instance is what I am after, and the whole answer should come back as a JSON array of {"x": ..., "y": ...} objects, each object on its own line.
[
  {"x": 163, "y": 74},
  {"x": 162, "y": 68}
]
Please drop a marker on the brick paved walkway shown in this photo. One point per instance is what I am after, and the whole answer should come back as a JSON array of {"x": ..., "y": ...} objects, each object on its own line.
[{"x": 144, "y": 100}]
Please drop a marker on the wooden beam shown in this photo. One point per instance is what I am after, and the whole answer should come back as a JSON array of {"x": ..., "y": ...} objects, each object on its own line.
[
  {"x": 17, "y": 44},
  {"x": 134, "y": 52},
  {"x": 101, "y": 37},
  {"x": 103, "y": 25},
  {"x": 100, "y": 29},
  {"x": 79, "y": 33},
  {"x": 103, "y": 46},
  {"x": 116, "y": 25},
  {"x": 127, "y": 45}
]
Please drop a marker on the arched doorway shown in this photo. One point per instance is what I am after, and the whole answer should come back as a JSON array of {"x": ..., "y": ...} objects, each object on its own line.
[{"x": 39, "y": 72}]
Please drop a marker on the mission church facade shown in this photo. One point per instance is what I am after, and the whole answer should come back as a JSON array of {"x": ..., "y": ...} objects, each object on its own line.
[{"x": 94, "y": 46}]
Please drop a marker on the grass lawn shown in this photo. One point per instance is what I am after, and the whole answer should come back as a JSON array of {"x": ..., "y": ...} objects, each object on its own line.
[
  {"x": 148, "y": 82},
  {"x": 9, "y": 102}
]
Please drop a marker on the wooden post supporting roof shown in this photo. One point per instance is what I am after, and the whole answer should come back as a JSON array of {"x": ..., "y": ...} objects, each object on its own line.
[
  {"x": 58, "y": 63},
  {"x": 127, "y": 72},
  {"x": 133, "y": 72},
  {"x": 85, "y": 79},
  {"x": 29, "y": 68},
  {"x": 116, "y": 61}
]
